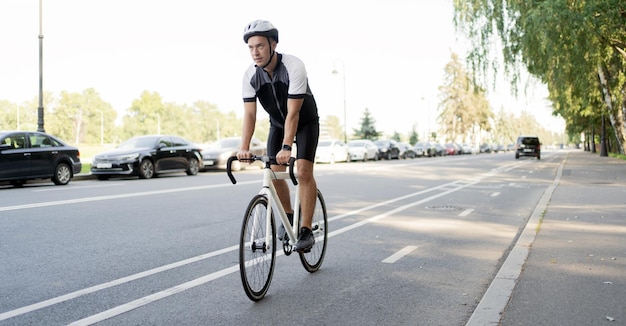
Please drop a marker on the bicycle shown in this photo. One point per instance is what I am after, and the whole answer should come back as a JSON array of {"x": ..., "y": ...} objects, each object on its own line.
[{"x": 257, "y": 245}]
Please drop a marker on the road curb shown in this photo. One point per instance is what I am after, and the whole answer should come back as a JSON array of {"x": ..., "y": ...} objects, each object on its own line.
[{"x": 493, "y": 303}]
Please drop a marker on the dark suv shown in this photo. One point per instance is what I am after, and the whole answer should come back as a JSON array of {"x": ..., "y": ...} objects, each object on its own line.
[{"x": 528, "y": 146}]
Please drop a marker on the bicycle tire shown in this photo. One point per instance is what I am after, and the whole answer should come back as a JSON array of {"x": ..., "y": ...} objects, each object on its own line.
[
  {"x": 256, "y": 258},
  {"x": 313, "y": 259}
]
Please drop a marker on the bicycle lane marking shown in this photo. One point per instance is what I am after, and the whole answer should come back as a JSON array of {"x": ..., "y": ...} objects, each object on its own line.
[
  {"x": 224, "y": 272},
  {"x": 205, "y": 279},
  {"x": 96, "y": 288}
]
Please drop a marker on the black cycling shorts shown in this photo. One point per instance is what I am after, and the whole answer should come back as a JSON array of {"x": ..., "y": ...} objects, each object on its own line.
[{"x": 306, "y": 141}]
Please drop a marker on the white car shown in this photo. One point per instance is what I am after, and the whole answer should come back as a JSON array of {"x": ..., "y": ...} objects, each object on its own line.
[
  {"x": 331, "y": 151},
  {"x": 362, "y": 150}
]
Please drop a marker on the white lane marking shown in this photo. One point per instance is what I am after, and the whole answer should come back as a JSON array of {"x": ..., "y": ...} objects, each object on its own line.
[
  {"x": 398, "y": 255},
  {"x": 79, "y": 187},
  {"x": 466, "y": 212},
  {"x": 495, "y": 194},
  {"x": 224, "y": 272},
  {"x": 199, "y": 281},
  {"x": 110, "y": 197},
  {"x": 154, "y": 297},
  {"x": 494, "y": 301},
  {"x": 96, "y": 288}
]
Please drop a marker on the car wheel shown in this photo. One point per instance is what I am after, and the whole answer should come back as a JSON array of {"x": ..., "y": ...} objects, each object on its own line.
[
  {"x": 146, "y": 169},
  {"x": 331, "y": 160},
  {"x": 388, "y": 156},
  {"x": 193, "y": 167},
  {"x": 365, "y": 158},
  {"x": 516, "y": 156},
  {"x": 538, "y": 157},
  {"x": 62, "y": 174}
]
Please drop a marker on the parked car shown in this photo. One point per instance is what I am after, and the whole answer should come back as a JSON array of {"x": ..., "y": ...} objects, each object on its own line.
[
  {"x": 452, "y": 149},
  {"x": 30, "y": 155},
  {"x": 362, "y": 150},
  {"x": 428, "y": 148},
  {"x": 331, "y": 151},
  {"x": 528, "y": 146},
  {"x": 440, "y": 150},
  {"x": 216, "y": 155},
  {"x": 419, "y": 150},
  {"x": 388, "y": 149},
  {"x": 406, "y": 150},
  {"x": 147, "y": 157}
]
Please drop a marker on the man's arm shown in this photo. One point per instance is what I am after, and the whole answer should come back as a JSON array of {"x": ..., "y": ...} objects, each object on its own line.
[{"x": 249, "y": 121}]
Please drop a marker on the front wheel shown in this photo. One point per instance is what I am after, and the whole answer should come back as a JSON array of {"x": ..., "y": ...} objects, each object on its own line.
[
  {"x": 146, "y": 169},
  {"x": 257, "y": 249},
  {"x": 313, "y": 259}
]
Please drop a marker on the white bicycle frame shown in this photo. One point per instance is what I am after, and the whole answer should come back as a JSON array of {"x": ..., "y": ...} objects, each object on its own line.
[{"x": 274, "y": 205}]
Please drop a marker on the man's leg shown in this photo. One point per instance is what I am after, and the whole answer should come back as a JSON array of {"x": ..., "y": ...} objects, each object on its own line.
[
  {"x": 308, "y": 197},
  {"x": 308, "y": 191}
]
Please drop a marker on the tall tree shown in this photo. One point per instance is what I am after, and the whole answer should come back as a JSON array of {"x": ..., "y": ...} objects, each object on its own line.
[
  {"x": 577, "y": 48},
  {"x": 368, "y": 128},
  {"x": 465, "y": 110}
]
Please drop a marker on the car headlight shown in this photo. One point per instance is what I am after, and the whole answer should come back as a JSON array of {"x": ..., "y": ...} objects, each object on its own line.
[{"x": 128, "y": 157}]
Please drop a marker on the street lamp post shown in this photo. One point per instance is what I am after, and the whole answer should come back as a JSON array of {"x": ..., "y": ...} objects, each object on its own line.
[
  {"x": 345, "y": 122},
  {"x": 40, "y": 108}
]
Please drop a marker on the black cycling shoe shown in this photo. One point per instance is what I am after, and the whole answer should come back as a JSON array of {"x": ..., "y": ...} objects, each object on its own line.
[
  {"x": 282, "y": 233},
  {"x": 306, "y": 240}
]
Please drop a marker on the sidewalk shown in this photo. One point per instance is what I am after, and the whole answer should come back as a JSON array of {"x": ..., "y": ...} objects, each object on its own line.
[{"x": 575, "y": 269}]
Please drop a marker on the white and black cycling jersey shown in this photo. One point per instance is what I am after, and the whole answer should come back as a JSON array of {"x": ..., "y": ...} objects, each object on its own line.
[{"x": 289, "y": 80}]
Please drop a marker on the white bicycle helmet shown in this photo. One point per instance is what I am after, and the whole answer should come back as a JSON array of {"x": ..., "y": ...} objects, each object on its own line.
[{"x": 260, "y": 28}]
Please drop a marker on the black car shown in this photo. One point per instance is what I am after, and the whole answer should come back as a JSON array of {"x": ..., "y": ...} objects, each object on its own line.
[
  {"x": 30, "y": 155},
  {"x": 528, "y": 146},
  {"x": 388, "y": 149},
  {"x": 148, "y": 156}
]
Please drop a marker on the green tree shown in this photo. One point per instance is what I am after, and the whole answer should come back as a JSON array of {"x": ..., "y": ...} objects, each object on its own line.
[
  {"x": 332, "y": 127},
  {"x": 413, "y": 137},
  {"x": 465, "y": 110},
  {"x": 577, "y": 48},
  {"x": 368, "y": 128},
  {"x": 78, "y": 117}
]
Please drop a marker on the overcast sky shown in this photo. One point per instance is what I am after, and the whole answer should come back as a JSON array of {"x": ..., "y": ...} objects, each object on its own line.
[{"x": 392, "y": 53}]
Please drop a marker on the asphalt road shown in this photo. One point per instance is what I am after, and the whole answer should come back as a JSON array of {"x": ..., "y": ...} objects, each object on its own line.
[{"x": 411, "y": 242}]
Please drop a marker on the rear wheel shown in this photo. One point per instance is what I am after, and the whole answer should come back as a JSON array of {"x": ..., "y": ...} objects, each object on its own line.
[
  {"x": 257, "y": 249},
  {"x": 62, "y": 174},
  {"x": 313, "y": 259}
]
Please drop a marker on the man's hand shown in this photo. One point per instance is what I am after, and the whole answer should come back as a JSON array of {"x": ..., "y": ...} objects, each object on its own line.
[
  {"x": 283, "y": 157},
  {"x": 243, "y": 155}
]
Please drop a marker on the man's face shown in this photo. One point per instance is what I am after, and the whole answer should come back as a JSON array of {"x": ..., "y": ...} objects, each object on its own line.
[{"x": 259, "y": 49}]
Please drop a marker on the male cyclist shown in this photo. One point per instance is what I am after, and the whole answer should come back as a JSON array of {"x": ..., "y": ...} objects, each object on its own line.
[{"x": 279, "y": 82}]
